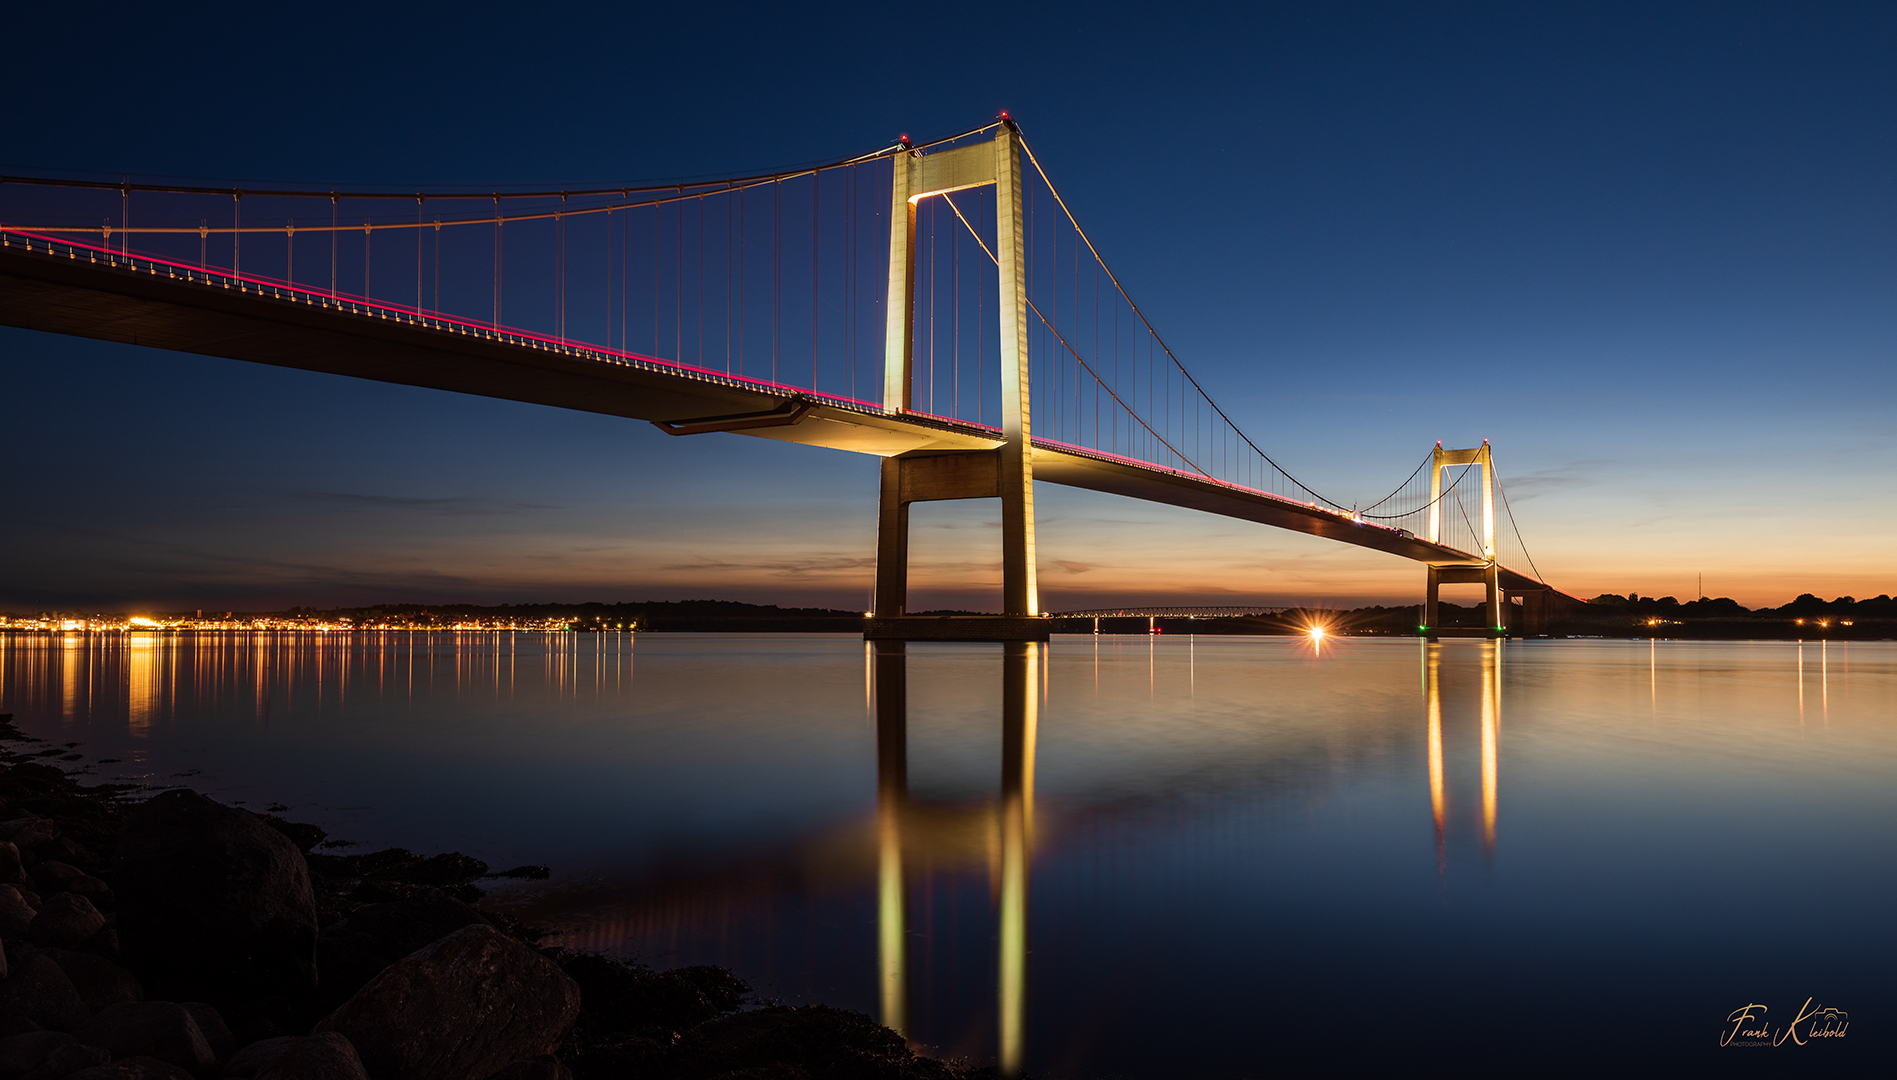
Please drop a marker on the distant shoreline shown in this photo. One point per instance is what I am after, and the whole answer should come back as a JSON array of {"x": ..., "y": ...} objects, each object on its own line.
[
  {"x": 1608, "y": 615},
  {"x": 1338, "y": 625}
]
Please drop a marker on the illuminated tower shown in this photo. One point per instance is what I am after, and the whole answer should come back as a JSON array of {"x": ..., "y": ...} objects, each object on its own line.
[
  {"x": 1006, "y": 472},
  {"x": 1485, "y": 572}
]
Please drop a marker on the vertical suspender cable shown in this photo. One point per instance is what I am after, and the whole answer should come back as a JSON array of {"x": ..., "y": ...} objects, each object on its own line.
[
  {"x": 609, "y": 277},
  {"x": 332, "y": 245},
  {"x": 237, "y": 234},
  {"x": 955, "y": 327},
  {"x": 930, "y": 208},
  {"x": 655, "y": 279},
  {"x": 418, "y": 255},
  {"x": 777, "y": 273},
  {"x": 625, "y": 269},
  {"x": 559, "y": 264},
  {"x": 678, "y": 274},
  {"x": 816, "y": 191},
  {"x": 701, "y": 281},
  {"x": 848, "y": 279},
  {"x": 728, "y": 294},
  {"x": 741, "y": 261}
]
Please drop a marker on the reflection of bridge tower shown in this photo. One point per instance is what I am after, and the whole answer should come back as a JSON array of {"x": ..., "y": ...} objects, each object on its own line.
[
  {"x": 1006, "y": 472},
  {"x": 1020, "y": 680},
  {"x": 890, "y": 678},
  {"x": 1491, "y": 727}
]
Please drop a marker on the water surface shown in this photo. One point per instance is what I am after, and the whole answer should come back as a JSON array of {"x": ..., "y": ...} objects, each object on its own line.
[{"x": 1141, "y": 857}]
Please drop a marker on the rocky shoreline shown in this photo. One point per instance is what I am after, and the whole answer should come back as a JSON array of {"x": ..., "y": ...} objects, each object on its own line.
[{"x": 176, "y": 938}]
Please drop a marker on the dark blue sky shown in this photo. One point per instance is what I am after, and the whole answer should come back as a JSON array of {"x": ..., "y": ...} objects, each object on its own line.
[{"x": 1647, "y": 249}]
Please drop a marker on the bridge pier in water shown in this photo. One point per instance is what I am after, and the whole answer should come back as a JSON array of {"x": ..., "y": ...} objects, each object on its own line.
[{"x": 1006, "y": 472}]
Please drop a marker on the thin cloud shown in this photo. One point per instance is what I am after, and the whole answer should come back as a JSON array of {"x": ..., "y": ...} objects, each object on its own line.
[
  {"x": 452, "y": 507},
  {"x": 792, "y": 568}
]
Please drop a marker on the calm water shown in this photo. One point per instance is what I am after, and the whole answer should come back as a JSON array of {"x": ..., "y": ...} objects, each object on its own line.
[{"x": 1108, "y": 857}]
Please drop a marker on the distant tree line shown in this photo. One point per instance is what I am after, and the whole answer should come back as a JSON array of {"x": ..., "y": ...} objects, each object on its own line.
[{"x": 1806, "y": 606}]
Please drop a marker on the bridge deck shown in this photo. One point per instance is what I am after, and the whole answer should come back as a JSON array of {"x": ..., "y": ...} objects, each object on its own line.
[{"x": 65, "y": 288}]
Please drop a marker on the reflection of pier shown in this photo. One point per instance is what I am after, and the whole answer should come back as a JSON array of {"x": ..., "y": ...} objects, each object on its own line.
[
  {"x": 1020, "y": 679},
  {"x": 1491, "y": 725}
]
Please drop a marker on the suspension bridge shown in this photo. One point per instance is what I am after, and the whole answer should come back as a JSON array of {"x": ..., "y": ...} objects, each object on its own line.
[{"x": 881, "y": 304}]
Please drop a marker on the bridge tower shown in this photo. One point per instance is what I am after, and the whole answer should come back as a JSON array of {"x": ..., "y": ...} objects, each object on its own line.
[
  {"x": 1487, "y": 572},
  {"x": 1006, "y": 472}
]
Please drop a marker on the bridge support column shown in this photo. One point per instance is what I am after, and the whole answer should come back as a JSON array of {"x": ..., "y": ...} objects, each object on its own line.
[
  {"x": 1020, "y": 592},
  {"x": 1528, "y": 611},
  {"x": 1488, "y": 575},
  {"x": 892, "y": 545}
]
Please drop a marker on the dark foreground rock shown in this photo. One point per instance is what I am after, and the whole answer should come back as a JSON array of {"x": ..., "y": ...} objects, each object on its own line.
[
  {"x": 813, "y": 1041},
  {"x": 323, "y": 1056},
  {"x": 133, "y": 1068},
  {"x": 164, "y": 1030},
  {"x": 98, "y": 982},
  {"x": 65, "y": 920},
  {"x": 38, "y": 990},
  {"x": 351, "y": 952},
  {"x": 217, "y": 909},
  {"x": 214, "y": 905},
  {"x": 468, "y": 1005}
]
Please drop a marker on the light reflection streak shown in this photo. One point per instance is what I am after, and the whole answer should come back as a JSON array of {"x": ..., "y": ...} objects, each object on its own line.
[
  {"x": 1019, "y": 727},
  {"x": 1491, "y": 719},
  {"x": 888, "y": 675},
  {"x": 142, "y": 688},
  {"x": 1432, "y": 689},
  {"x": 69, "y": 668}
]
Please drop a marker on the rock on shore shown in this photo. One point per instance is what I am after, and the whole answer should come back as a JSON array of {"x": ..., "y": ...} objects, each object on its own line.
[{"x": 181, "y": 939}]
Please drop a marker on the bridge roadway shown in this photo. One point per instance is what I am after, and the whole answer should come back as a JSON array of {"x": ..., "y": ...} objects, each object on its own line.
[{"x": 62, "y": 287}]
